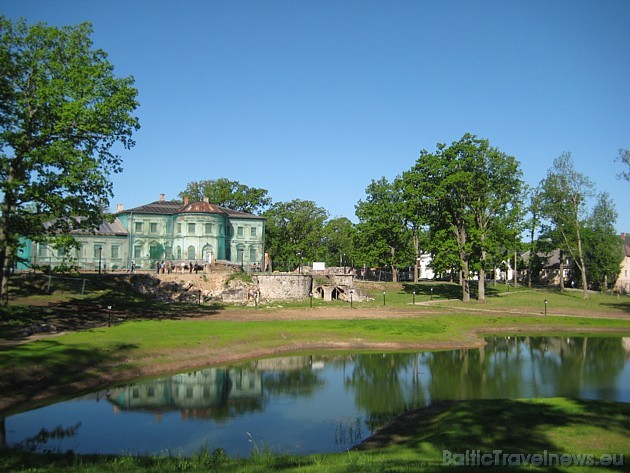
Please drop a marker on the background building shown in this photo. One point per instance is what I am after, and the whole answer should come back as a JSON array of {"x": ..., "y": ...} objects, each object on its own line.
[{"x": 171, "y": 231}]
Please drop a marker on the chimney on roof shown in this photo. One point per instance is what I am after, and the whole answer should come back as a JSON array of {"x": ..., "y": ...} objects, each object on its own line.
[
  {"x": 119, "y": 208},
  {"x": 185, "y": 200},
  {"x": 162, "y": 197}
]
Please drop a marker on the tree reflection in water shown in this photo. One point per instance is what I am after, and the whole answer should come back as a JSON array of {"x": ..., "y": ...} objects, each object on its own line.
[{"x": 330, "y": 401}]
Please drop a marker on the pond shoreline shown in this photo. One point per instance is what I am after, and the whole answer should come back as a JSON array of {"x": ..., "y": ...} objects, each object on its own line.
[{"x": 41, "y": 389}]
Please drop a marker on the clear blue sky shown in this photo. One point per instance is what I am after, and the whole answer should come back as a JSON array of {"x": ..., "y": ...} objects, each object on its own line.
[{"x": 314, "y": 99}]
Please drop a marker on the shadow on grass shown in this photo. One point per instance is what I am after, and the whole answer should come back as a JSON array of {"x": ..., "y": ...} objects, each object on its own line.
[
  {"x": 109, "y": 299},
  {"x": 512, "y": 426},
  {"x": 435, "y": 289},
  {"x": 46, "y": 364},
  {"x": 448, "y": 290},
  {"x": 623, "y": 304}
]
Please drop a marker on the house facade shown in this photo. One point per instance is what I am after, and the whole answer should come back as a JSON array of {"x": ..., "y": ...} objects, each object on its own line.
[
  {"x": 188, "y": 232},
  {"x": 623, "y": 281}
]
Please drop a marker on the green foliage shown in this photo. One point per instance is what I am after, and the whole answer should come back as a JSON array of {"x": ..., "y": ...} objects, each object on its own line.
[
  {"x": 603, "y": 249},
  {"x": 338, "y": 242},
  {"x": 564, "y": 194},
  {"x": 230, "y": 194},
  {"x": 62, "y": 112},
  {"x": 239, "y": 276},
  {"x": 624, "y": 158},
  {"x": 295, "y": 233},
  {"x": 382, "y": 236},
  {"x": 469, "y": 195}
]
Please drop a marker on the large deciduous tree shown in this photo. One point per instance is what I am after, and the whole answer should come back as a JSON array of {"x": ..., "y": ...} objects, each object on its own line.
[
  {"x": 294, "y": 232},
  {"x": 62, "y": 111},
  {"x": 564, "y": 198},
  {"x": 230, "y": 194},
  {"x": 603, "y": 248},
  {"x": 339, "y": 241},
  {"x": 470, "y": 192},
  {"x": 383, "y": 238}
]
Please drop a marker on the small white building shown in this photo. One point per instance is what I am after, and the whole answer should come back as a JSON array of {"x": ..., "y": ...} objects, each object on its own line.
[{"x": 623, "y": 281}]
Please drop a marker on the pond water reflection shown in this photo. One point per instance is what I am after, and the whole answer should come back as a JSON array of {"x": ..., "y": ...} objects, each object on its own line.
[{"x": 321, "y": 403}]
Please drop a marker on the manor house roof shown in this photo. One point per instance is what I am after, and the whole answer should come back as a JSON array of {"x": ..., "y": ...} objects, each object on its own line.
[
  {"x": 170, "y": 207},
  {"x": 202, "y": 207},
  {"x": 162, "y": 207}
]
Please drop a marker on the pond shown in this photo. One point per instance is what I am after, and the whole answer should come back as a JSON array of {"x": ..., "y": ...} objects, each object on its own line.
[{"x": 319, "y": 403}]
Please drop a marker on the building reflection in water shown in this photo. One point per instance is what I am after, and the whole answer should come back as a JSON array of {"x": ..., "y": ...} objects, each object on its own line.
[{"x": 211, "y": 392}]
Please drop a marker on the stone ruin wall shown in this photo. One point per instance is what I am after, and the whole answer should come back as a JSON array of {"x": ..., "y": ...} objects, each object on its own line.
[
  {"x": 275, "y": 287},
  {"x": 205, "y": 287}
]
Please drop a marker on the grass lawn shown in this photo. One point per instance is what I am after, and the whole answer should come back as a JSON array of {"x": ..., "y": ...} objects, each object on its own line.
[{"x": 148, "y": 338}]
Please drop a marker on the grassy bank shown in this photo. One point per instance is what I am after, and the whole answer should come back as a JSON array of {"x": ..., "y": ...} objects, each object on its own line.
[
  {"x": 148, "y": 338},
  {"x": 433, "y": 439}
]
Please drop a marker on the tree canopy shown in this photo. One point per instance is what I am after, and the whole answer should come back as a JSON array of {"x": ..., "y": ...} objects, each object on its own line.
[
  {"x": 564, "y": 197},
  {"x": 603, "y": 248},
  {"x": 62, "y": 111},
  {"x": 294, "y": 233},
  {"x": 382, "y": 235},
  {"x": 469, "y": 192}
]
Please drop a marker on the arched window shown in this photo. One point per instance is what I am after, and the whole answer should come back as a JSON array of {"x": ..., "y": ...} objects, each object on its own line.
[
  {"x": 191, "y": 252},
  {"x": 179, "y": 252},
  {"x": 207, "y": 252}
]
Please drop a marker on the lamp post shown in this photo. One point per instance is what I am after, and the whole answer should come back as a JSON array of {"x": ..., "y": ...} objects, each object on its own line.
[
  {"x": 431, "y": 293},
  {"x": 344, "y": 263},
  {"x": 545, "y": 306},
  {"x": 351, "y": 292},
  {"x": 109, "y": 315},
  {"x": 383, "y": 297},
  {"x": 310, "y": 294},
  {"x": 100, "y": 252},
  {"x": 414, "y": 297}
]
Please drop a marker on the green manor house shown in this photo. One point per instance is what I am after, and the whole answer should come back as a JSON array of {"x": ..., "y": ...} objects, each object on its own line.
[{"x": 179, "y": 232}]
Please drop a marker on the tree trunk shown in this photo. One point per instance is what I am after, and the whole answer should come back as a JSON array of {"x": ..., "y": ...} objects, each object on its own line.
[
  {"x": 515, "y": 276},
  {"x": 481, "y": 297},
  {"x": 463, "y": 257},
  {"x": 5, "y": 267},
  {"x": 561, "y": 270},
  {"x": 582, "y": 265},
  {"x": 481, "y": 286},
  {"x": 465, "y": 283},
  {"x": 6, "y": 239},
  {"x": 416, "y": 244}
]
